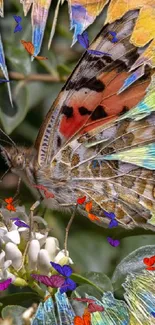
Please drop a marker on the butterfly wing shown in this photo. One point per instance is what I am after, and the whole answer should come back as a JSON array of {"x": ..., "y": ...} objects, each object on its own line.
[
  {"x": 91, "y": 120},
  {"x": 29, "y": 47},
  {"x": 90, "y": 93}
]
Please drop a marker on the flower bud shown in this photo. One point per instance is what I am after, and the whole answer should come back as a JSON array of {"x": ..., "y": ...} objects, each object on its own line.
[
  {"x": 33, "y": 252},
  {"x": 52, "y": 247},
  {"x": 63, "y": 259},
  {"x": 13, "y": 254},
  {"x": 44, "y": 262}
]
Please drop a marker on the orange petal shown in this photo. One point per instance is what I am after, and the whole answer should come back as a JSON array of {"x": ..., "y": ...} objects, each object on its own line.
[
  {"x": 40, "y": 57},
  {"x": 93, "y": 217},
  {"x": 9, "y": 200},
  {"x": 88, "y": 206},
  {"x": 29, "y": 47}
]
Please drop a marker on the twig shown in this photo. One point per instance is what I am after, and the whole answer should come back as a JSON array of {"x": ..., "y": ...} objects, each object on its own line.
[
  {"x": 34, "y": 77},
  {"x": 68, "y": 228}
]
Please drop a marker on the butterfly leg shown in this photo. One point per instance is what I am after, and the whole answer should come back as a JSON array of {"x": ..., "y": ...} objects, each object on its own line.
[
  {"x": 68, "y": 228},
  {"x": 18, "y": 188}
]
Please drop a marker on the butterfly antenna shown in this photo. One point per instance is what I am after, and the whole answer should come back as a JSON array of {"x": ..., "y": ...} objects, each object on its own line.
[
  {"x": 1, "y": 179},
  {"x": 11, "y": 141}
]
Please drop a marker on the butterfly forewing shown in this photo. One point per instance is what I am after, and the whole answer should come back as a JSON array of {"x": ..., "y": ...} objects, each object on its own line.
[
  {"x": 92, "y": 120},
  {"x": 90, "y": 94}
]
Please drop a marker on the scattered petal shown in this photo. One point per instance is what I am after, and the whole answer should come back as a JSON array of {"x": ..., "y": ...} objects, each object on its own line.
[
  {"x": 93, "y": 217},
  {"x": 64, "y": 270},
  {"x": 88, "y": 206},
  {"x": 20, "y": 223},
  {"x": 113, "y": 242},
  {"x": 81, "y": 200},
  {"x": 55, "y": 281},
  {"x": 69, "y": 285},
  {"x": 4, "y": 285}
]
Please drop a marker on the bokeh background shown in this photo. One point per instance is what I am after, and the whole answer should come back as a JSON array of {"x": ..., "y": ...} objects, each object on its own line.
[{"x": 34, "y": 87}]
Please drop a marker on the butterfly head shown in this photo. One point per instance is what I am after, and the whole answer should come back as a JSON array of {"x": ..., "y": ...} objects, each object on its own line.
[{"x": 14, "y": 157}]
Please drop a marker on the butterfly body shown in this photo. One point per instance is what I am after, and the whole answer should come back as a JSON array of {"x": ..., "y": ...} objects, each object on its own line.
[{"x": 90, "y": 120}]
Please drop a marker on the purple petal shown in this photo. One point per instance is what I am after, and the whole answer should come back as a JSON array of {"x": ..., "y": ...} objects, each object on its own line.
[
  {"x": 83, "y": 39},
  {"x": 69, "y": 285},
  {"x": 113, "y": 223},
  {"x": 110, "y": 215},
  {"x": 4, "y": 285},
  {"x": 95, "y": 52},
  {"x": 113, "y": 242},
  {"x": 115, "y": 39},
  {"x": 55, "y": 281},
  {"x": 17, "y": 18},
  {"x": 153, "y": 313},
  {"x": 18, "y": 28},
  {"x": 4, "y": 80},
  {"x": 63, "y": 270},
  {"x": 20, "y": 223}
]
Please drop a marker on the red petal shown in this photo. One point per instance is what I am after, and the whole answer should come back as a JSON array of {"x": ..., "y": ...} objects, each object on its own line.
[
  {"x": 148, "y": 261},
  {"x": 81, "y": 200}
]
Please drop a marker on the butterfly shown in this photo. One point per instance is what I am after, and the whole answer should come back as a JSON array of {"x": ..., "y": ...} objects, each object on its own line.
[
  {"x": 29, "y": 47},
  {"x": 84, "y": 41},
  {"x": 93, "y": 120},
  {"x": 18, "y": 27},
  {"x": 84, "y": 320},
  {"x": 113, "y": 242}
]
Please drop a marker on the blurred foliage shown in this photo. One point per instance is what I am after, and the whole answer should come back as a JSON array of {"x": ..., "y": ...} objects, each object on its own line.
[{"x": 32, "y": 99}]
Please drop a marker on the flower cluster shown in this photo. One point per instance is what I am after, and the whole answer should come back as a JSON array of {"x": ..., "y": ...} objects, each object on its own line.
[{"x": 25, "y": 251}]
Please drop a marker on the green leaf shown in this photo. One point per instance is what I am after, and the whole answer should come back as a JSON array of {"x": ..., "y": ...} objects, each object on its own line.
[
  {"x": 19, "y": 298},
  {"x": 132, "y": 263},
  {"x": 10, "y": 116},
  {"x": 15, "y": 313},
  {"x": 98, "y": 280}
]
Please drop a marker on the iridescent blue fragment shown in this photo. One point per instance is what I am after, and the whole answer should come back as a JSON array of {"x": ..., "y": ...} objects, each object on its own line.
[{"x": 65, "y": 311}]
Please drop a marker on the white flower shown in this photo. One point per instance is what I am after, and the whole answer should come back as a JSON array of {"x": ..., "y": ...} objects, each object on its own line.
[
  {"x": 52, "y": 247},
  {"x": 44, "y": 265},
  {"x": 33, "y": 252},
  {"x": 14, "y": 254},
  {"x": 4, "y": 265},
  {"x": 10, "y": 236}
]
